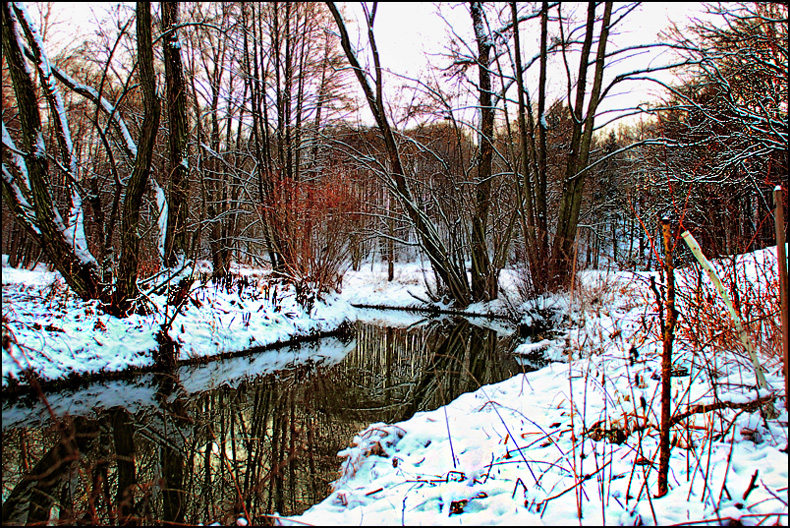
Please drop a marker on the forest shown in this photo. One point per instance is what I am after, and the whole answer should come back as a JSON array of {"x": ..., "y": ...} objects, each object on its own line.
[
  {"x": 222, "y": 132},
  {"x": 181, "y": 143}
]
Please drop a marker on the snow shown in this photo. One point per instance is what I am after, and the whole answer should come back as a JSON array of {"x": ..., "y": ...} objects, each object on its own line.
[
  {"x": 40, "y": 150},
  {"x": 75, "y": 231},
  {"x": 530, "y": 415},
  {"x": 579, "y": 434},
  {"x": 532, "y": 348},
  {"x": 21, "y": 199},
  {"x": 161, "y": 205},
  {"x": 17, "y": 31},
  {"x": 16, "y": 159},
  {"x": 55, "y": 98},
  {"x": 140, "y": 391},
  {"x": 58, "y": 335},
  {"x": 109, "y": 109},
  {"x": 369, "y": 285},
  {"x": 463, "y": 463}
]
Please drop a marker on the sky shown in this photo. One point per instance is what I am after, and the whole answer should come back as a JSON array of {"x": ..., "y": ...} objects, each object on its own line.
[
  {"x": 406, "y": 31},
  {"x": 412, "y": 36}
]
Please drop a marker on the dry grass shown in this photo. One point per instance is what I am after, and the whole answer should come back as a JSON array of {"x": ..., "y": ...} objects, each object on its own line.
[{"x": 705, "y": 325}]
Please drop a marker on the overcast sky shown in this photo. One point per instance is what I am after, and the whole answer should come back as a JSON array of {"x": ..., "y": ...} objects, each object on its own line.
[{"x": 412, "y": 35}]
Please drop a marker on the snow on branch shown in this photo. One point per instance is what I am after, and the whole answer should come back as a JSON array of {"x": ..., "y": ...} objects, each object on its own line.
[
  {"x": 161, "y": 206},
  {"x": 20, "y": 191},
  {"x": 90, "y": 93},
  {"x": 20, "y": 204},
  {"x": 53, "y": 96},
  {"x": 74, "y": 232},
  {"x": 15, "y": 156},
  {"x": 30, "y": 182}
]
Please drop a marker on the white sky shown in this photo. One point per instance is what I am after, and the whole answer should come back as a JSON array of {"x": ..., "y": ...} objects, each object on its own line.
[{"x": 411, "y": 34}]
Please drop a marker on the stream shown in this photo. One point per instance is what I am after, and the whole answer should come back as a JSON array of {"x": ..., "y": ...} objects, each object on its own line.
[{"x": 252, "y": 435}]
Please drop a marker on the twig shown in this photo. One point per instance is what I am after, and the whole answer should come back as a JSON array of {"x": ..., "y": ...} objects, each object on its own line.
[
  {"x": 722, "y": 520},
  {"x": 668, "y": 335},
  {"x": 518, "y": 481},
  {"x": 752, "y": 486},
  {"x": 773, "y": 494},
  {"x": 727, "y": 471},
  {"x": 450, "y": 437},
  {"x": 703, "y": 408},
  {"x": 494, "y": 406},
  {"x": 582, "y": 480}
]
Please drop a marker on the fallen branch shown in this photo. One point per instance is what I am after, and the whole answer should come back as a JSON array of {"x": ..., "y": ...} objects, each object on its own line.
[
  {"x": 736, "y": 319},
  {"x": 584, "y": 479},
  {"x": 698, "y": 409}
]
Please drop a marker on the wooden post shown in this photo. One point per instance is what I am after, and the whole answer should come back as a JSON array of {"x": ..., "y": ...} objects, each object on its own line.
[
  {"x": 781, "y": 258},
  {"x": 666, "y": 363},
  {"x": 736, "y": 319}
]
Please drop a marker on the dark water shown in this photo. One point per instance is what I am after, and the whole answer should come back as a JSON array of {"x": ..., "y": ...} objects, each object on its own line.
[{"x": 214, "y": 442}]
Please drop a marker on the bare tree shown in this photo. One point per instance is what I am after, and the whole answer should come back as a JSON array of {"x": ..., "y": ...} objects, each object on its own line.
[
  {"x": 26, "y": 186},
  {"x": 449, "y": 269},
  {"x": 26, "y": 179},
  {"x": 551, "y": 263},
  {"x": 484, "y": 280},
  {"x": 176, "y": 235},
  {"x": 126, "y": 280},
  {"x": 728, "y": 120},
  {"x": 583, "y": 125}
]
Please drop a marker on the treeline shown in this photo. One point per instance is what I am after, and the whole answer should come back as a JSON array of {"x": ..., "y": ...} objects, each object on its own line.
[{"x": 223, "y": 132}]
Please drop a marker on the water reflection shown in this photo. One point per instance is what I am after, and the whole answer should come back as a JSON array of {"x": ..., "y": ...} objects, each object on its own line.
[{"x": 239, "y": 445}]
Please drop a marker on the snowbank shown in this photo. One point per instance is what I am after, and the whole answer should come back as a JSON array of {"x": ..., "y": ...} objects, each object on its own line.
[
  {"x": 580, "y": 439},
  {"x": 57, "y": 335}
]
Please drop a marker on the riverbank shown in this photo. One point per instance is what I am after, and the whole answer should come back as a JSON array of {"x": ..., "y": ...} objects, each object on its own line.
[
  {"x": 573, "y": 442},
  {"x": 50, "y": 332},
  {"x": 564, "y": 446},
  {"x": 576, "y": 442},
  {"x": 61, "y": 339}
]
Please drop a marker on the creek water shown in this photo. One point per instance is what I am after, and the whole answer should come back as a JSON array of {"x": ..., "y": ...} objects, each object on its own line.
[{"x": 249, "y": 436}]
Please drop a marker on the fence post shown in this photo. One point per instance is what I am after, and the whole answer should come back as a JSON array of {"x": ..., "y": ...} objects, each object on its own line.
[
  {"x": 781, "y": 260},
  {"x": 666, "y": 363}
]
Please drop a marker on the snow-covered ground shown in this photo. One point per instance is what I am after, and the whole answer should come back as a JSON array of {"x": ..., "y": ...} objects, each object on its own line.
[
  {"x": 369, "y": 287},
  {"x": 576, "y": 437},
  {"x": 139, "y": 392},
  {"x": 577, "y": 442},
  {"x": 505, "y": 454},
  {"x": 58, "y": 335}
]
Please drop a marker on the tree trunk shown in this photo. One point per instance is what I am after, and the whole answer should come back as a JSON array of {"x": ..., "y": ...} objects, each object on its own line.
[
  {"x": 453, "y": 279},
  {"x": 123, "y": 439},
  {"x": 666, "y": 363},
  {"x": 32, "y": 499},
  {"x": 533, "y": 194},
  {"x": 483, "y": 287},
  {"x": 68, "y": 254},
  {"x": 176, "y": 235},
  {"x": 126, "y": 284},
  {"x": 573, "y": 185}
]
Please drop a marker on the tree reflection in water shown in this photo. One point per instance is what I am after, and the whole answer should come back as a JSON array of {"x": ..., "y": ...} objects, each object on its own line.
[{"x": 266, "y": 444}]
